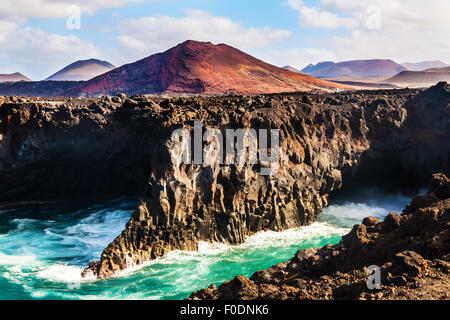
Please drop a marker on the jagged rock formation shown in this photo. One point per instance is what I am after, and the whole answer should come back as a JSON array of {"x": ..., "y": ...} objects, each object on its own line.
[
  {"x": 112, "y": 146},
  {"x": 412, "y": 251}
]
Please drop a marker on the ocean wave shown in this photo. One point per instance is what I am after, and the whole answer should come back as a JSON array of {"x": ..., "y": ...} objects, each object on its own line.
[
  {"x": 355, "y": 211},
  {"x": 348, "y": 213},
  {"x": 46, "y": 258},
  {"x": 7, "y": 260},
  {"x": 61, "y": 273}
]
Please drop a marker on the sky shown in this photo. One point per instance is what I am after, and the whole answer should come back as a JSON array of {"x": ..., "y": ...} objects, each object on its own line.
[{"x": 40, "y": 37}]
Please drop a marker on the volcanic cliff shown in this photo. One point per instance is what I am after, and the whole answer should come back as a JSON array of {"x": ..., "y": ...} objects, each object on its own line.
[
  {"x": 70, "y": 148},
  {"x": 411, "y": 250}
]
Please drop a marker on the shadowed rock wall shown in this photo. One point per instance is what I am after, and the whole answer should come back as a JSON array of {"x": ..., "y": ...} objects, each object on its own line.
[{"x": 111, "y": 146}]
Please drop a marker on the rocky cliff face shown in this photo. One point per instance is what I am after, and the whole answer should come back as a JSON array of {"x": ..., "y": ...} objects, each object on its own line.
[
  {"x": 412, "y": 252},
  {"x": 62, "y": 149}
]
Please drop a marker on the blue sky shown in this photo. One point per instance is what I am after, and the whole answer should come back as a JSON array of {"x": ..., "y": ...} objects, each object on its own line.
[{"x": 35, "y": 39}]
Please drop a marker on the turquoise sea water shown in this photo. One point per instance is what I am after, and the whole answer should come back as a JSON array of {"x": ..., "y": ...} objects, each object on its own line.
[{"x": 42, "y": 252}]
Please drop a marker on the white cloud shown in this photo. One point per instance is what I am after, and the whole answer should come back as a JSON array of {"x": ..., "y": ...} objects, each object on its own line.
[
  {"x": 316, "y": 17},
  {"x": 401, "y": 47},
  {"x": 6, "y": 28},
  {"x": 409, "y": 30},
  {"x": 24, "y": 9},
  {"x": 397, "y": 13},
  {"x": 38, "y": 53},
  {"x": 148, "y": 35},
  {"x": 293, "y": 4},
  {"x": 297, "y": 58}
]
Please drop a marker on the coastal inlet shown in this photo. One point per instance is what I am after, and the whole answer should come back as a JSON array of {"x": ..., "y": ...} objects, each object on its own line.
[{"x": 42, "y": 252}]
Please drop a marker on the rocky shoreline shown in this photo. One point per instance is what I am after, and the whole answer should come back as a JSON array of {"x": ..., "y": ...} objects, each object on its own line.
[
  {"x": 114, "y": 146},
  {"x": 412, "y": 251}
]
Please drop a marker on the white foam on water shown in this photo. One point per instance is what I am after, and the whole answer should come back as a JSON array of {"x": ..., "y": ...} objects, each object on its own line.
[
  {"x": 355, "y": 211},
  {"x": 212, "y": 247},
  {"x": 8, "y": 260},
  {"x": 292, "y": 236},
  {"x": 21, "y": 267},
  {"x": 24, "y": 224},
  {"x": 38, "y": 293},
  {"x": 134, "y": 268},
  {"x": 349, "y": 213},
  {"x": 271, "y": 239},
  {"x": 61, "y": 273}
]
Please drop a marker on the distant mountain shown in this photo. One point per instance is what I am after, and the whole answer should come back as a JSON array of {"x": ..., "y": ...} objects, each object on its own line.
[
  {"x": 290, "y": 68},
  {"x": 311, "y": 68},
  {"x": 200, "y": 68},
  {"x": 424, "y": 65},
  {"x": 13, "y": 77},
  {"x": 355, "y": 68},
  {"x": 82, "y": 70},
  {"x": 443, "y": 70},
  {"x": 424, "y": 78}
]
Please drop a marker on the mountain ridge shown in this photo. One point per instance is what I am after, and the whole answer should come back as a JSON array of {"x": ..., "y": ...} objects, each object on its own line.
[
  {"x": 81, "y": 70},
  {"x": 318, "y": 66},
  {"x": 355, "y": 68},
  {"x": 13, "y": 77},
  {"x": 424, "y": 65},
  {"x": 291, "y": 68},
  {"x": 200, "y": 68},
  {"x": 421, "y": 78}
]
